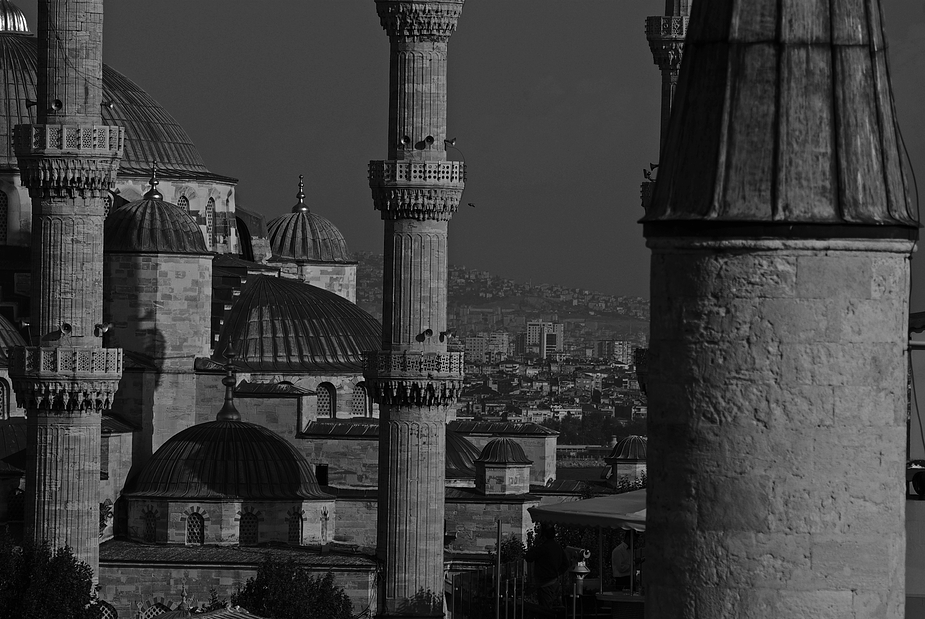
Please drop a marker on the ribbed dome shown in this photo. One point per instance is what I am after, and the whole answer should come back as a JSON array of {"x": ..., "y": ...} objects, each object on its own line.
[
  {"x": 460, "y": 455},
  {"x": 227, "y": 460},
  {"x": 12, "y": 19},
  {"x": 303, "y": 236},
  {"x": 284, "y": 325},
  {"x": 152, "y": 226},
  {"x": 150, "y": 132},
  {"x": 503, "y": 451},
  {"x": 630, "y": 448},
  {"x": 9, "y": 338}
]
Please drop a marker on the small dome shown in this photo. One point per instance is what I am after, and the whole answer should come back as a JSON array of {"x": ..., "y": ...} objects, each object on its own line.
[
  {"x": 503, "y": 451},
  {"x": 303, "y": 236},
  {"x": 12, "y": 19},
  {"x": 283, "y": 325},
  {"x": 227, "y": 460},
  {"x": 630, "y": 448},
  {"x": 460, "y": 455},
  {"x": 152, "y": 226},
  {"x": 9, "y": 338}
]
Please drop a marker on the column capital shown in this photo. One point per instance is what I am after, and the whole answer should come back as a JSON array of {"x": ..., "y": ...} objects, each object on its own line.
[
  {"x": 65, "y": 379},
  {"x": 412, "y": 378},
  {"x": 68, "y": 160},
  {"x": 424, "y": 20}
]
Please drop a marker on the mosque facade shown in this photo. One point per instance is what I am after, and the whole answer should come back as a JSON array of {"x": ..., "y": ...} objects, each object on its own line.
[{"x": 220, "y": 388}]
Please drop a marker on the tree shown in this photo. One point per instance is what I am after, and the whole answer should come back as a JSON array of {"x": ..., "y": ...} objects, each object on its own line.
[
  {"x": 39, "y": 583},
  {"x": 284, "y": 590}
]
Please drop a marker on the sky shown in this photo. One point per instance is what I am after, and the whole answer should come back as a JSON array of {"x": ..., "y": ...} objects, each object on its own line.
[{"x": 554, "y": 103}]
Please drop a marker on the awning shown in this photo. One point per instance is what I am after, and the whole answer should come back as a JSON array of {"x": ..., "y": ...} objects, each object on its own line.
[{"x": 618, "y": 511}]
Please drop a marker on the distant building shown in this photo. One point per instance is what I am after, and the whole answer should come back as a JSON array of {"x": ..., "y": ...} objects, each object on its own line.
[{"x": 545, "y": 339}]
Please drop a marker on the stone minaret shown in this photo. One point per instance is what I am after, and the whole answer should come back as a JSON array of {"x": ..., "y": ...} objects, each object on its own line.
[
  {"x": 781, "y": 231},
  {"x": 413, "y": 377},
  {"x": 68, "y": 160}
]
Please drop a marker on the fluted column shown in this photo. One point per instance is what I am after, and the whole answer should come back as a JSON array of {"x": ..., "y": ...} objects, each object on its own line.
[
  {"x": 781, "y": 230},
  {"x": 413, "y": 377},
  {"x": 68, "y": 160}
]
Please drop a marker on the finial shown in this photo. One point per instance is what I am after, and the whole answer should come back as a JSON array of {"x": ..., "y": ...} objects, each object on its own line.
[
  {"x": 153, "y": 193},
  {"x": 301, "y": 206},
  {"x": 229, "y": 412}
]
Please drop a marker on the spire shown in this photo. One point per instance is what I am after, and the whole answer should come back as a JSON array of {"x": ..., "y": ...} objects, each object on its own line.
[
  {"x": 153, "y": 193},
  {"x": 301, "y": 206},
  {"x": 229, "y": 412}
]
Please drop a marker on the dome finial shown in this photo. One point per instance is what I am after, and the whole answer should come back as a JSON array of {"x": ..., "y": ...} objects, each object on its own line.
[
  {"x": 229, "y": 412},
  {"x": 301, "y": 206},
  {"x": 153, "y": 193}
]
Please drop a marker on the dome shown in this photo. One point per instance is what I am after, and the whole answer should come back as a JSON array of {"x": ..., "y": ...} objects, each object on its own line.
[
  {"x": 151, "y": 225},
  {"x": 12, "y": 19},
  {"x": 503, "y": 451},
  {"x": 227, "y": 459},
  {"x": 9, "y": 338},
  {"x": 283, "y": 325},
  {"x": 630, "y": 448},
  {"x": 303, "y": 236},
  {"x": 150, "y": 132},
  {"x": 460, "y": 455}
]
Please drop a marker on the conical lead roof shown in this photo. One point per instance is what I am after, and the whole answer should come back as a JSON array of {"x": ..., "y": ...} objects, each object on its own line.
[{"x": 784, "y": 124}]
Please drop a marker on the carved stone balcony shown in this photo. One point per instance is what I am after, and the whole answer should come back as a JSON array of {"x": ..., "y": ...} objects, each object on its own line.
[
  {"x": 414, "y": 378},
  {"x": 65, "y": 379},
  {"x": 417, "y": 189}
]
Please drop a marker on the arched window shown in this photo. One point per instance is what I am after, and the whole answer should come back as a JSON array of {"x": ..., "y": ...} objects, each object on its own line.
[
  {"x": 4, "y": 400},
  {"x": 104, "y": 610},
  {"x": 295, "y": 529},
  {"x": 183, "y": 203},
  {"x": 358, "y": 404},
  {"x": 248, "y": 534},
  {"x": 195, "y": 529},
  {"x": 154, "y": 611},
  {"x": 210, "y": 223},
  {"x": 150, "y": 535},
  {"x": 4, "y": 216},
  {"x": 327, "y": 400}
]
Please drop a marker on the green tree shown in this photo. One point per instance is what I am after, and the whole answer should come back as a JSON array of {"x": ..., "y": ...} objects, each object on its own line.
[
  {"x": 40, "y": 583},
  {"x": 284, "y": 590}
]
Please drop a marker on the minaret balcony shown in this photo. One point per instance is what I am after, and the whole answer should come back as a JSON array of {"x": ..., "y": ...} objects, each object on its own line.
[
  {"x": 65, "y": 378},
  {"x": 417, "y": 189},
  {"x": 666, "y": 27},
  {"x": 64, "y": 140}
]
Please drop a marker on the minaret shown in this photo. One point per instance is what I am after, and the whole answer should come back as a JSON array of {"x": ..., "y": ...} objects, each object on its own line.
[
  {"x": 781, "y": 230},
  {"x": 665, "y": 34},
  {"x": 413, "y": 377},
  {"x": 68, "y": 160}
]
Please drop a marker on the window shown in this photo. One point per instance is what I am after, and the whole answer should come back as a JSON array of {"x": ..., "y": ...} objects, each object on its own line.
[
  {"x": 183, "y": 203},
  {"x": 358, "y": 404},
  {"x": 107, "y": 204},
  {"x": 327, "y": 402},
  {"x": 150, "y": 534},
  {"x": 195, "y": 530},
  {"x": 154, "y": 611},
  {"x": 4, "y": 216},
  {"x": 4, "y": 400},
  {"x": 295, "y": 529},
  {"x": 248, "y": 534},
  {"x": 210, "y": 223},
  {"x": 105, "y": 610}
]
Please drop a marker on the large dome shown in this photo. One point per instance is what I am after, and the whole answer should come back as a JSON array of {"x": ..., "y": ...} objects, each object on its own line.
[
  {"x": 150, "y": 132},
  {"x": 460, "y": 456},
  {"x": 630, "y": 448},
  {"x": 282, "y": 325},
  {"x": 303, "y": 236},
  {"x": 227, "y": 460},
  {"x": 152, "y": 225}
]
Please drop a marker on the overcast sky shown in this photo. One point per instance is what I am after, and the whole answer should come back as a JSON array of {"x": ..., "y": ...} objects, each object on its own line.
[{"x": 554, "y": 103}]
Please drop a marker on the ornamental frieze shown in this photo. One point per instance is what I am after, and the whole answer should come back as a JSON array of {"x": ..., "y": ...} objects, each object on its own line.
[
  {"x": 65, "y": 397},
  {"x": 414, "y": 392},
  {"x": 409, "y": 364},
  {"x": 433, "y": 21}
]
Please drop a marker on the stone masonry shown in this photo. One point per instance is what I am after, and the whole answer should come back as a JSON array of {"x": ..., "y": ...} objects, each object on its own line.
[
  {"x": 68, "y": 160},
  {"x": 413, "y": 378}
]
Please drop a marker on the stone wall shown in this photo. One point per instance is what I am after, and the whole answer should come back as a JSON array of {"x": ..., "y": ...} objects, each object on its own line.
[
  {"x": 356, "y": 522},
  {"x": 777, "y": 400},
  {"x": 475, "y": 522},
  {"x": 124, "y": 584},
  {"x": 341, "y": 279}
]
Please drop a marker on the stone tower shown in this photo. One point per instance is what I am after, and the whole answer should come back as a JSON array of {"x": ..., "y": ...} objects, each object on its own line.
[
  {"x": 781, "y": 231},
  {"x": 413, "y": 377},
  {"x": 68, "y": 160}
]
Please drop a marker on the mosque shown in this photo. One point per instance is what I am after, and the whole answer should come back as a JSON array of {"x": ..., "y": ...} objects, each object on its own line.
[{"x": 242, "y": 424}]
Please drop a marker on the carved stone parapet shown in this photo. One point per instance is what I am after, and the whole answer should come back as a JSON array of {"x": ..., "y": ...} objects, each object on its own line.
[
  {"x": 68, "y": 159},
  {"x": 414, "y": 378},
  {"x": 647, "y": 191},
  {"x": 666, "y": 40},
  {"x": 65, "y": 379},
  {"x": 428, "y": 20},
  {"x": 417, "y": 189}
]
